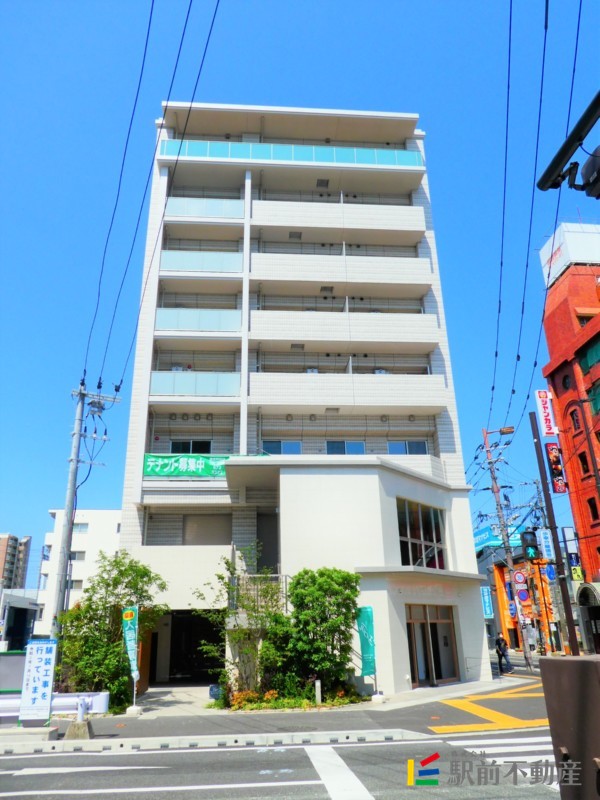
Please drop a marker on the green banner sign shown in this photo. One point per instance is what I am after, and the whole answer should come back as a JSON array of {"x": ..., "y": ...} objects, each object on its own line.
[
  {"x": 129, "y": 621},
  {"x": 184, "y": 466},
  {"x": 366, "y": 634}
]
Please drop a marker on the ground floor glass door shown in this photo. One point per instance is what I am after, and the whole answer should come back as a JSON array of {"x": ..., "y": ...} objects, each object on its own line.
[{"x": 431, "y": 644}]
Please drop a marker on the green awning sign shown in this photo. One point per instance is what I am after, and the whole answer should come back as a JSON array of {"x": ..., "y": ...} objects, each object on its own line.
[
  {"x": 184, "y": 466},
  {"x": 129, "y": 621},
  {"x": 366, "y": 634}
]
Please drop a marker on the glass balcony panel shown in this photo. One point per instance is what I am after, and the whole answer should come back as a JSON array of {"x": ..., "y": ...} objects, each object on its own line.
[
  {"x": 304, "y": 152},
  {"x": 262, "y": 152},
  {"x": 240, "y": 150},
  {"x": 385, "y": 156},
  {"x": 218, "y": 149},
  {"x": 365, "y": 155},
  {"x": 200, "y": 261},
  {"x": 198, "y": 319},
  {"x": 297, "y": 152},
  {"x": 345, "y": 155},
  {"x": 283, "y": 152},
  {"x": 205, "y": 207},
  {"x": 217, "y": 384},
  {"x": 325, "y": 154}
]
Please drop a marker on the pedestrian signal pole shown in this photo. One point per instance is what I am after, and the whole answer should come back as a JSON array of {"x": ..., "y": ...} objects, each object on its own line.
[{"x": 560, "y": 564}]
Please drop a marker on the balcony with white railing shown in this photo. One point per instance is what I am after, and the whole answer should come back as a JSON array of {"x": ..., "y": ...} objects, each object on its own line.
[
  {"x": 405, "y": 225},
  {"x": 397, "y": 394},
  {"x": 409, "y": 277},
  {"x": 204, "y": 208},
  {"x": 415, "y": 333}
]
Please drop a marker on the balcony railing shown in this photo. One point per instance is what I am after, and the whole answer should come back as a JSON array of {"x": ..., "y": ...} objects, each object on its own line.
[
  {"x": 259, "y": 592},
  {"x": 204, "y": 207},
  {"x": 218, "y": 384},
  {"x": 303, "y": 153},
  {"x": 198, "y": 319},
  {"x": 200, "y": 261}
]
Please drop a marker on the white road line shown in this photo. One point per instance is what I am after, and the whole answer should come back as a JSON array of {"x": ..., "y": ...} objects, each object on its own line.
[
  {"x": 341, "y": 783},
  {"x": 65, "y": 770},
  {"x": 526, "y": 748},
  {"x": 156, "y": 789}
]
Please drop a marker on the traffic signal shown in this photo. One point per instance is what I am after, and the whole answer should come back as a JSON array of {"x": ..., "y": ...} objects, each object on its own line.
[{"x": 530, "y": 546}]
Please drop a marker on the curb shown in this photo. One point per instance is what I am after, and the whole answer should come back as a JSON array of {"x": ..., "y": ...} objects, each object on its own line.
[{"x": 100, "y": 745}]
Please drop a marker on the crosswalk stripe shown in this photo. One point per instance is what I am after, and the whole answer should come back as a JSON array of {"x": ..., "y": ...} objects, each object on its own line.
[{"x": 479, "y": 741}]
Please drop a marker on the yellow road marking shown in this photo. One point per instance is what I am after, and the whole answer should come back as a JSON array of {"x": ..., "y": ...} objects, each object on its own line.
[{"x": 495, "y": 720}]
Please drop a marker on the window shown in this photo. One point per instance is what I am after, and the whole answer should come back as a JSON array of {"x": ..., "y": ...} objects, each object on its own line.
[
  {"x": 40, "y": 612},
  {"x": 411, "y": 447},
  {"x": 43, "y": 582},
  {"x": 351, "y": 448},
  {"x": 76, "y": 586},
  {"x": 189, "y": 446},
  {"x": 589, "y": 355},
  {"x": 282, "y": 448},
  {"x": 77, "y": 555},
  {"x": 575, "y": 420},
  {"x": 584, "y": 463},
  {"x": 421, "y": 531},
  {"x": 566, "y": 382},
  {"x": 593, "y": 506},
  {"x": 80, "y": 527},
  {"x": 583, "y": 319}
]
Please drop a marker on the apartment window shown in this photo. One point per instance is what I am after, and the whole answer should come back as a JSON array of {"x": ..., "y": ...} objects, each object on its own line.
[
  {"x": 77, "y": 555},
  {"x": 76, "y": 586},
  {"x": 593, "y": 506},
  {"x": 350, "y": 448},
  {"x": 40, "y": 612},
  {"x": 43, "y": 582},
  {"x": 282, "y": 448},
  {"x": 180, "y": 446},
  {"x": 410, "y": 447},
  {"x": 421, "y": 530},
  {"x": 575, "y": 420},
  {"x": 584, "y": 463},
  {"x": 589, "y": 355},
  {"x": 80, "y": 527}
]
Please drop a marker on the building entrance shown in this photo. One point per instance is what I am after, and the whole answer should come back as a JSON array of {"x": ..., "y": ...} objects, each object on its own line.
[
  {"x": 431, "y": 644},
  {"x": 187, "y": 664}
]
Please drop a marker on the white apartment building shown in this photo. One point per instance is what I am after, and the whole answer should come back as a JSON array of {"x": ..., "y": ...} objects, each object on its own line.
[
  {"x": 292, "y": 383},
  {"x": 93, "y": 532}
]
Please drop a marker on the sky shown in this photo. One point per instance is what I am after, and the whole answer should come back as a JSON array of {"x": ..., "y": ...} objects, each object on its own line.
[{"x": 70, "y": 73}]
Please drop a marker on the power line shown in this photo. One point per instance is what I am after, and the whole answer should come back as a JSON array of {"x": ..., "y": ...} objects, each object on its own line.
[
  {"x": 503, "y": 216},
  {"x": 118, "y": 194},
  {"x": 206, "y": 45}
]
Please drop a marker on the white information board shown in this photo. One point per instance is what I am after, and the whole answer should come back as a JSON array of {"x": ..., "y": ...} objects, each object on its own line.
[{"x": 38, "y": 678}]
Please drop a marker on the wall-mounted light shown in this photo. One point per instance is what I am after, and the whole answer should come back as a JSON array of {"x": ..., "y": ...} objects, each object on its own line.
[
  {"x": 411, "y": 418},
  {"x": 197, "y": 417},
  {"x": 313, "y": 418},
  {"x": 384, "y": 418},
  {"x": 185, "y": 416},
  {"x": 209, "y": 417},
  {"x": 289, "y": 417},
  {"x": 172, "y": 416}
]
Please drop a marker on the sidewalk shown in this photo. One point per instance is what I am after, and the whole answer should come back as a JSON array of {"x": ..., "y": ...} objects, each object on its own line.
[{"x": 177, "y": 717}]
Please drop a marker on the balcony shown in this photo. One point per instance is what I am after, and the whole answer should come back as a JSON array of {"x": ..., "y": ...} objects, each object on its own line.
[
  {"x": 196, "y": 261},
  {"x": 385, "y": 158},
  {"x": 198, "y": 320},
  {"x": 412, "y": 333},
  {"x": 397, "y": 394},
  {"x": 195, "y": 384},
  {"x": 404, "y": 225},
  {"x": 204, "y": 207},
  {"x": 409, "y": 277}
]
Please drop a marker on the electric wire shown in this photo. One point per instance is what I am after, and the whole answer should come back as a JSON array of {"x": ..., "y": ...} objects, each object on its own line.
[
  {"x": 118, "y": 193},
  {"x": 502, "y": 238},
  {"x": 531, "y": 209},
  {"x": 143, "y": 201},
  {"x": 206, "y": 45}
]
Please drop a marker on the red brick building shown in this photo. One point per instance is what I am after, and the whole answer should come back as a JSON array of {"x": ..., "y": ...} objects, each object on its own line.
[{"x": 572, "y": 327}]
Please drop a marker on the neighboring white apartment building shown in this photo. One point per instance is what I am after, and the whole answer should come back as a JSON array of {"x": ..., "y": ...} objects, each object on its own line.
[
  {"x": 292, "y": 381},
  {"x": 93, "y": 531}
]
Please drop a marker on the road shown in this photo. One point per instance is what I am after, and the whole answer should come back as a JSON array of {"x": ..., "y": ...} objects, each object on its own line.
[{"x": 455, "y": 768}]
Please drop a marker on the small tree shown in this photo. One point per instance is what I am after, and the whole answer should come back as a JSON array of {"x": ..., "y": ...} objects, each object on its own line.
[
  {"x": 244, "y": 609},
  {"x": 324, "y": 612},
  {"x": 93, "y": 656}
]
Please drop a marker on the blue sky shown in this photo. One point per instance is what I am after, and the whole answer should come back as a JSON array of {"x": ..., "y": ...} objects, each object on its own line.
[{"x": 70, "y": 74}]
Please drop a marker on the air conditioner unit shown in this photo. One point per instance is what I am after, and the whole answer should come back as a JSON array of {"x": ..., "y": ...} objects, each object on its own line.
[
  {"x": 177, "y": 368},
  {"x": 381, "y": 371},
  {"x": 312, "y": 371}
]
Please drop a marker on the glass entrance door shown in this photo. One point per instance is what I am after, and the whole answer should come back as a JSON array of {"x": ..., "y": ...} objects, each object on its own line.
[{"x": 431, "y": 644}]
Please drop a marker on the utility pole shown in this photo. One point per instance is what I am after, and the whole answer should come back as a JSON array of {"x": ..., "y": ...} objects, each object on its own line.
[
  {"x": 96, "y": 404},
  {"x": 560, "y": 564},
  {"x": 505, "y": 537}
]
